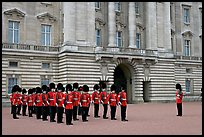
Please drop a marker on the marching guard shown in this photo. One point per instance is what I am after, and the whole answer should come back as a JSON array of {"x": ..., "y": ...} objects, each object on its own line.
[
  {"x": 25, "y": 102},
  {"x": 104, "y": 100},
  {"x": 15, "y": 90},
  {"x": 38, "y": 102},
  {"x": 96, "y": 100},
  {"x": 76, "y": 97},
  {"x": 84, "y": 103},
  {"x": 45, "y": 108},
  {"x": 113, "y": 102},
  {"x": 30, "y": 102},
  {"x": 52, "y": 101},
  {"x": 59, "y": 102}
]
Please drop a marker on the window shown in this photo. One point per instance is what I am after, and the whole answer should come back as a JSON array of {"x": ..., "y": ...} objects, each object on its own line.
[
  {"x": 137, "y": 7},
  {"x": 11, "y": 83},
  {"x": 45, "y": 81},
  {"x": 13, "y": 32},
  {"x": 97, "y": 5},
  {"x": 119, "y": 39},
  {"x": 186, "y": 15},
  {"x": 45, "y": 65},
  {"x": 98, "y": 37},
  {"x": 188, "y": 84},
  {"x": 46, "y": 35},
  {"x": 117, "y": 6},
  {"x": 138, "y": 35},
  {"x": 187, "y": 48},
  {"x": 13, "y": 64}
]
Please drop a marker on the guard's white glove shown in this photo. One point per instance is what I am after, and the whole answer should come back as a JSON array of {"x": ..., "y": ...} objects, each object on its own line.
[
  {"x": 178, "y": 95},
  {"x": 56, "y": 104},
  {"x": 119, "y": 103},
  {"x": 101, "y": 102},
  {"x": 63, "y": 106}
]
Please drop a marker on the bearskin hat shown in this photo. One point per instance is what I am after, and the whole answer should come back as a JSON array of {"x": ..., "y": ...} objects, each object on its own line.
[
  {"x": 59, "y": 86},
  {"x": 75, "y": 85},
  {"x": 178, "y": 86},
  {"x": 15, "y": 88},
  {"x": 44, "y": 87},
  {"x": 30, "y": 91},
  {"x": 113, "y": 87},
  {"x": 85, "y": 88},
  {"x": 96, "y": 87},
  {"x": 24, "y": 91},
  {"x": 80, "y": 88},
  {"x": 52, "y": 85},
  {"x": 103, "y": 85},
  {"x": 38, "y": 90},
  {"x": 68, "y": 87}
]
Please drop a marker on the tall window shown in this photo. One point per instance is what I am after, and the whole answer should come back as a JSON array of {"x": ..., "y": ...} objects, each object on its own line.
[
  {"x": 117, "y": 6},
  {"x": 11, "y": 83},
  {"x": 187, "y": 47},
  {"x": 98, "y": 37},
  {"x": 186, "y": 15},
  {"x": 46, "y": 35},
  {"x": 137, "y": 7},
  {"x": 138, "y": 36},
  {"x": 45, "y": 65},
  {"x": 119, "y": 39},
  {"x": 45, "y": 81},
  {"x": 13, "y": 32},
  {"x": 97, "y": 5},
  {"x": 188, "y": 85}
]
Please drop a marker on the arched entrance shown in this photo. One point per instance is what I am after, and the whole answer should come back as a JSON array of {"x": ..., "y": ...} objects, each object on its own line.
[{"x": 123, "y": 75}]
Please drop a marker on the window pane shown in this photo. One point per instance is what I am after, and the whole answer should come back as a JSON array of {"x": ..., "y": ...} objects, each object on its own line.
[
  {"x": 188, "y": 82},
  {"x": 11, "y": 83},
  {"x": 13, "y": 64}
]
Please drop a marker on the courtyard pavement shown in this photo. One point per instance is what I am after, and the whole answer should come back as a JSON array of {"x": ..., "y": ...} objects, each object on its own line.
[{"x": 144, "y": 119}]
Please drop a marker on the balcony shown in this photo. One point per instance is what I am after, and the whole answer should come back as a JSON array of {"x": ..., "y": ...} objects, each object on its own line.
[
  {"x": 30, "y": 47},
  {"x": 180, "y": 57}
]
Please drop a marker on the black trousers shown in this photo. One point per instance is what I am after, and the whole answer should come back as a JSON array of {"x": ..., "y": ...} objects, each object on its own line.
[
  {"x": 24, "y": 109},
  {"x": 69, "y": 113},
  {"x": 84, "y": 113},
  {"x": 79, "y": 110},
  {"x": 123, "y": 112},
  {"x": 113, "y": 111},
  {"x": 19, "y": 109},
  {"x": 75, "y": 108},
  {"x": 45, "y": 111},
  {"x": 59, "y": 114},
  {"x": 14, "y": 107},
  {"x": 96, "y": 109},
  {"x": 30, "y": 111},
  {"x": 179, "y": 109},
  {"x": 52, "y": 113},
  {"x": 88, "y": 110},
  {"x": 105, "y": 109},
  {"x": 38, "y": 112}
]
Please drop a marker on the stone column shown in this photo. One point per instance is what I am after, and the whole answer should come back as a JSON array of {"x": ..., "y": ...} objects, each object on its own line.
[
  {"x": 151, "y": 26},
  {"x": 91, "y": 23},
  {"x": 111, "y": 24},
  {"x": 167, "y": 26},
  {"x": 69, "y": 22},
  {"x": 132, "y": 24}
]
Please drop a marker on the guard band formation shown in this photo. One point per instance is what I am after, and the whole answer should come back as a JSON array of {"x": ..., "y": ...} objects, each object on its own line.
[{"x": 73, "y": 101}]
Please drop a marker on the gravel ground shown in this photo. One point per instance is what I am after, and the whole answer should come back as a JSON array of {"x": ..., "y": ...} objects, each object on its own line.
[{"x": 144, "y": 119}]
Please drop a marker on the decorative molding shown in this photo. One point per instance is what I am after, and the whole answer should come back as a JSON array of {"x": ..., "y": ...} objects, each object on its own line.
[
  {"x": 99, "y": 22},
  {"x": 187, "y": 32},
  {"x": 120, "y": 26},
  {"x": 11, "y": 12},
  {"x": 46, "y": 15}
]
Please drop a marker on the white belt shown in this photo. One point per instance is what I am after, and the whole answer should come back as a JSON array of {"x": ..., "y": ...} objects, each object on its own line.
[
  {"x": 24, "y": 100},
  {"x": 59, "y": 99},
  {"x": 84, "y": 100},
  {"x": 51, "y": 99},
  {"x": 75, "y": 98},
  {"x": 30, "y": 101},
  {"x": 124, "y": 99},
  {"x": 96, "y": 98},
  {"x": 38, "y": 100},
  {"x": 113, "y": 99},
  {"x": 69, "y": 102},
  {"x": 104, "y": 98}
]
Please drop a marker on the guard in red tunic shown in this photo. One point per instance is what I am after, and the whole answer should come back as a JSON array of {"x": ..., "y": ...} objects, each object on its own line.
[
  {"x": 76, "y": 97},
  {"x": 68, "y": 103},
  {"x": 113, "y": 102},
  {"x": 45, "y": 108},
  {"x": 15, "y": 90},
  {"x": 80, "y": 90},
  {"x": 104, "y": 100},
  {"x": 96, "y": 100},
  {"x": 38, "y": 102},
  {"x": 84, "y": 103},
  {"x": 179, "y": 97},
  {"x": 59, "y": 102},
  {"x": 122, "y": 101},
  {"x": 52, "y": 102},
  {"x": 30, "y": 102},
  {"x": 25, "y": 102},
  {"x": 19, "y": 101}
]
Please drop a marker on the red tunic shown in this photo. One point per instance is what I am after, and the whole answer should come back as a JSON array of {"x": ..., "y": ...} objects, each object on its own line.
[
  {"x": 30, "y": 100},
  {"x": 95, "y": 97},
  {"x": 122, "y": 97},
  {"x": 24, "y": 99},
  {"x": 76, "y": 98},
  {"x": 38, "y": 101},
  {"x": 45, "y": 99},
  {"x": 179, "y": 97},
  {"x": 52, "y": 98},
  {"x": 104, "y": 97},
  {"x": 59, "y": 99},
  {"x": 112, "y": 99},
  {"x": 19, "y": 99},
  {"x": 85, "y": 99},
  {"x": 68, "y": 102},
  {"x": 11, "y": 98},
  {"x": 15, "y": 98}
]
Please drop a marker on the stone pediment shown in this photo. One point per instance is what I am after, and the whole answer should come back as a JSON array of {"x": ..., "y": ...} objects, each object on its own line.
[
  {"x": 120, "y": 26},
  {"x": 46, "y": 15},
  {"x": 100, "y": 21},
  {"x": 14, "y": 11},
  {"x": 187, "y": 32}
]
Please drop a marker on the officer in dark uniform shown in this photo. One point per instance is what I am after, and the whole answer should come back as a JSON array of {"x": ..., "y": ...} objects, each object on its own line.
[
  {"x": 25, "y": 102},
  {"x": 80, "y": 90}
]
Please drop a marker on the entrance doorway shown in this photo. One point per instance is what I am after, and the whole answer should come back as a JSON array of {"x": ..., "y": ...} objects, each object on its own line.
[
  {"x": 122, "y": 76},
  {"x": 146, "y": 91}
]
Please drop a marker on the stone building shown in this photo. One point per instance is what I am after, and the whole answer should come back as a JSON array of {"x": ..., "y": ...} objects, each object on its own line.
[{"x": 148, "y": 46}]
